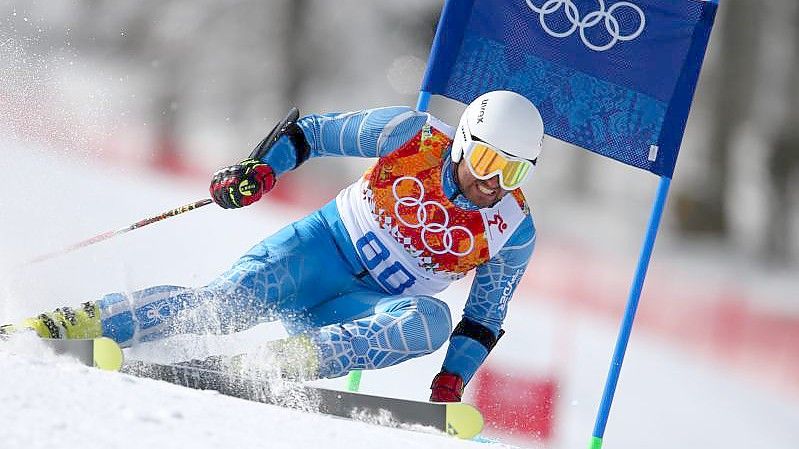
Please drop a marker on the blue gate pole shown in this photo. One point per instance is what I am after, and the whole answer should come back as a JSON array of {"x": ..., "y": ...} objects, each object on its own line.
[
  {"x": 423, "y": 102},
  {"x": 629, "y": 313}
]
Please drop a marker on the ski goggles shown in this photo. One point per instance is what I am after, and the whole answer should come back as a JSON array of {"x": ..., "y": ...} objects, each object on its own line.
[{"x": 484, "y": 162}]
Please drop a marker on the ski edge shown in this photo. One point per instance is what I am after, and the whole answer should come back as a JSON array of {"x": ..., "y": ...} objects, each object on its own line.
[{"x": 461, "y": 420}]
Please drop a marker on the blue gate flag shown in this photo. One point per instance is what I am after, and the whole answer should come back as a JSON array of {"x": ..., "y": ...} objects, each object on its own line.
[{"x": 613, "y": 77}]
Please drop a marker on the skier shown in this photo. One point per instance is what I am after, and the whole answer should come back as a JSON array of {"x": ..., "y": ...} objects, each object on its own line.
[{"x": 354, "y": 281}]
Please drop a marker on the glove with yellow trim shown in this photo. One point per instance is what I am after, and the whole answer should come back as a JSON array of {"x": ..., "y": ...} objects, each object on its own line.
[{"x": 242, "y": 184}]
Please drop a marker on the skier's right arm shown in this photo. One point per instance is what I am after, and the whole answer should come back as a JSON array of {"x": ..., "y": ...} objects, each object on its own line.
[{"x": 367, "y": 133}]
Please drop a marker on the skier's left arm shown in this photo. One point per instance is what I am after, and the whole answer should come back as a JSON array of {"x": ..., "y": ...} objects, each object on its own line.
[{"x": 481, "y": 325}]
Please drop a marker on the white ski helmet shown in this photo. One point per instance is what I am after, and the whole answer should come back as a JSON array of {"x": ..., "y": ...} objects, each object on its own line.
[{"x": 503, "y": 119}]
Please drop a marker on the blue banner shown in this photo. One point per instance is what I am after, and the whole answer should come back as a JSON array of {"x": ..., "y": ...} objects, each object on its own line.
[{"x": 613, "y": 77}]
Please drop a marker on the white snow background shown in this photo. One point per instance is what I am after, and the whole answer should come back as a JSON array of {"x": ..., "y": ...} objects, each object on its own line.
[
  {"x": 666, "y": 398},
  {"x": 669, "y": 396},
  {"x": 54, "y": 402}
]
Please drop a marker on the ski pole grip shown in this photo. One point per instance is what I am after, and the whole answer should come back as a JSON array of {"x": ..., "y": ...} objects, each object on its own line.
[{"x": 277, "y": 131}]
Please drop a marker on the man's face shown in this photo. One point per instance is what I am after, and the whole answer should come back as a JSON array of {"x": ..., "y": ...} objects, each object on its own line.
[{"x": 483, "y": 193}]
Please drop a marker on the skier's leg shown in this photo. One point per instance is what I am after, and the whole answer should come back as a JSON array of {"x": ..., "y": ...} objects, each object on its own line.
[
  {"x": 287, "y": 274},
  {"x": 284, "y": 275},
  {"x": 146, "y": 314},
  {"x": 390, "y": 331},
  {"x": 280, "y": 277},
  {"x": 157, "y": 312}
]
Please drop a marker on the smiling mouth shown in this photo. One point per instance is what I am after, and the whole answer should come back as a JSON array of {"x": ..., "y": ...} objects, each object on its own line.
[{"x": 485, "y": 190}]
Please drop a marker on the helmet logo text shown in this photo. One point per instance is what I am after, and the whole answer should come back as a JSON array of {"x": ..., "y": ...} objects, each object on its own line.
[{"x": 482, "y": 113}]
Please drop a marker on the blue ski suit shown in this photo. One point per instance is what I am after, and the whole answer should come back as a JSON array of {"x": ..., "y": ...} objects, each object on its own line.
[{"x": 314, "y": 277}]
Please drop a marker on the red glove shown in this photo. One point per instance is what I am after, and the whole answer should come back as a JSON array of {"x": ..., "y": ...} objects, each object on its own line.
[
  {"x": 447, "y": 387},
  {"x": 241, "y": 184}
]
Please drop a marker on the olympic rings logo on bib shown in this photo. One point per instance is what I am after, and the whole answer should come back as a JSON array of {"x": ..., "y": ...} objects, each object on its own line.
[
  {"x": 592, "y": 19},
  {"x": 425, "y": 211}
]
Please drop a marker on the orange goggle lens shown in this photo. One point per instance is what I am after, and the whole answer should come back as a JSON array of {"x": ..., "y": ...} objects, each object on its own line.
[{"x": 486, "y": 162}]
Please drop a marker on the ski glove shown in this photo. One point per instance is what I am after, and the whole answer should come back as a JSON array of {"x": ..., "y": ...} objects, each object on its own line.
[
  {"x": 242, "y": 184},
  {"x": 447, "y": 387}
]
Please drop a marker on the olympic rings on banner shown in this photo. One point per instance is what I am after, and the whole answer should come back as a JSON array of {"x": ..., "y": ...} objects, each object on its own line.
[
  {"x": 422, "y": 216},
  {"x": 590, "y": 20}
]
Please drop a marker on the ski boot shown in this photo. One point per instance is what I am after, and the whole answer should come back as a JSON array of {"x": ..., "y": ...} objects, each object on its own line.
[
  {"x": 294, "y": 358},
  {"x": 64, "y": 322}
]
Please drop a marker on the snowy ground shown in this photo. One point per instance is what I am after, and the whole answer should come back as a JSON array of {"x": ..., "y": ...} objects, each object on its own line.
[
  {"x": 667, "y": 398},
  {"x": 51, "y": 402}
]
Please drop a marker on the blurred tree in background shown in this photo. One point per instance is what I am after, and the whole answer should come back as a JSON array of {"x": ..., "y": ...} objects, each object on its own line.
[
  {"x": 753, "y": 122},
  {"x": 204, "y": 80},
  {"x": 783, "y": 164},
  {"x": 736, "y": 41}
]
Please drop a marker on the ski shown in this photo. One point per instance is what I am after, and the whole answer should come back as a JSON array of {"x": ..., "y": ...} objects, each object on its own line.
[
  {"x": 102, "y": 352},
  {"x": 457, "y": 419}
]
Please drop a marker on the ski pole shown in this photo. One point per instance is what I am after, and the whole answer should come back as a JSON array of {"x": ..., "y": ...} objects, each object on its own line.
[{"x": 114, "y": 233}]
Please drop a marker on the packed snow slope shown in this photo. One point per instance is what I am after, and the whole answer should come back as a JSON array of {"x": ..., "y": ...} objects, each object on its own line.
[
  {"x": 50, "y": 402},
  {"x": 666, "y": 397}
]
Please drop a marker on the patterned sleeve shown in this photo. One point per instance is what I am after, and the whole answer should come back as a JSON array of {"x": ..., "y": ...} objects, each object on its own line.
[
  {"x": 366, "y": 133},
  {"x": 492, "y": 288}
]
